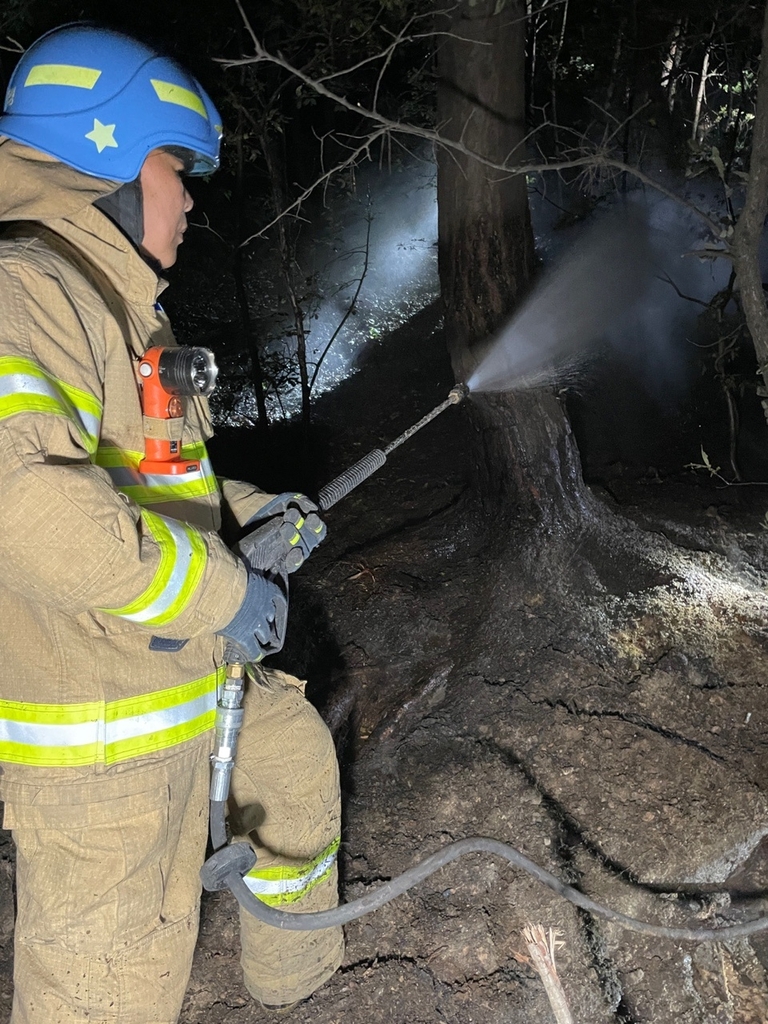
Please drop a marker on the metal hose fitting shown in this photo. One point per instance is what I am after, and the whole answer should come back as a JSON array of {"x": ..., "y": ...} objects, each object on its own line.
[{"x": 458, "y": 394}]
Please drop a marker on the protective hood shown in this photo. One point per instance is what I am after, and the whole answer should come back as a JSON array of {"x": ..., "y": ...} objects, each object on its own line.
[{"x": 37, "y": 187}]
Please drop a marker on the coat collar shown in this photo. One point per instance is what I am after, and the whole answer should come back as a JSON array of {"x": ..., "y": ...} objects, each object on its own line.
[{"x": 36, "y": 187}]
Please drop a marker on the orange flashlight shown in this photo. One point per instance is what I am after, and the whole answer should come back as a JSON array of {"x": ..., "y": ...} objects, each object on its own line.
[{"x": 166, "y": 377}]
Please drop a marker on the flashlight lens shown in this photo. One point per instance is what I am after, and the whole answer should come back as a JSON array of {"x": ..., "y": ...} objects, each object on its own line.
[
  {"x": 188, "y": 371},
  {"x": 204, "y": 371}
]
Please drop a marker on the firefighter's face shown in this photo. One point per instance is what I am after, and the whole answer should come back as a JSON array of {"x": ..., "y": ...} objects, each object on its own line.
[{"x": 166, "y": 204}]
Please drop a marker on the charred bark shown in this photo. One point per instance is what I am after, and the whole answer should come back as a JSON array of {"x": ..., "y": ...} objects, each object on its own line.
[
  {"x": 525, "y": 452},
  {"x": 750, "y": 225}
]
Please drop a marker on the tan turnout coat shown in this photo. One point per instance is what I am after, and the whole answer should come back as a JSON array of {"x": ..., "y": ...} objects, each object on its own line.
[{"x": 79, "y": 557}]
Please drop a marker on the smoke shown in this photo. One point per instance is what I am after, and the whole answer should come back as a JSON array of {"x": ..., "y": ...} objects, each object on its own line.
[
  {"x": 385, "y": 230},
  {"x": 660, "y": 341},
  {"x": 626, "y": 281},
  {"x": 589, "y": 292},
  {"x": 657, "y": 337}
]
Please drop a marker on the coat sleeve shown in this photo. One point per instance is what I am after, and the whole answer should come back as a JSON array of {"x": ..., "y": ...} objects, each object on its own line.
[
  {"x": 68, "y": 537},
  {"x": 242, "y": 500}
]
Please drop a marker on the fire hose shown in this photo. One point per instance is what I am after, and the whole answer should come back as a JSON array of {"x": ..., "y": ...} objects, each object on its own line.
[{"x": 225, "y": 868}]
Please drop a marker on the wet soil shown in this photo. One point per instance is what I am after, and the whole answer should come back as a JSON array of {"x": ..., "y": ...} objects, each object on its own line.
[{"x": 604, "y": 710}]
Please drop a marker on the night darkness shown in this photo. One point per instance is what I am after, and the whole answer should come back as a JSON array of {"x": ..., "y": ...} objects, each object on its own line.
[{"x": 544, "y": 618}]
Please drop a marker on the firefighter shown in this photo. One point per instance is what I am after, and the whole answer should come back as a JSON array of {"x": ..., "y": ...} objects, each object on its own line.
[{"x": 117, "y": 593}]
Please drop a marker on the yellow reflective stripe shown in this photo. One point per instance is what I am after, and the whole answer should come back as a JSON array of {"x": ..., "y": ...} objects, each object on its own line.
[
  {"x": 297, "y": 536},
  {"x": 126, "y": 457},
  {"x": 123, "y": 467},
  {"x": 63, "y": 74},
  {"x": 124, "y": 750},
  {"x": 183, "y": 557},
  {"x": 89, "y": 410},
  {"x": 109, "y": 457},
  {"x": 285, "y": 883},
  {"x": 27, "y": 387},
  {"x": 169, "y": 92},
  {"x": 67, "y": 735},
  {"x": 100, "y": 753}
]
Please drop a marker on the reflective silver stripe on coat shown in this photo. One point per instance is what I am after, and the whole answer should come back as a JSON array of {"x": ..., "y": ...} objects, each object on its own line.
[
  {"x": 125, "y": 476},
  {"x": 21, "y": 383},
  {"x": 105, "y": 732},
  {"x": 178, "y": 577}
]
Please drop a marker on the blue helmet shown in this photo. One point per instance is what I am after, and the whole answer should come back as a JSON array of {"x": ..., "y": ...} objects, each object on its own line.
[{"x": 100, "y": 101}]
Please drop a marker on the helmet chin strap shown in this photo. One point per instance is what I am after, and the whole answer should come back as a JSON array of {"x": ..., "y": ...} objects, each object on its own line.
[{"x": 125, "y": 207}]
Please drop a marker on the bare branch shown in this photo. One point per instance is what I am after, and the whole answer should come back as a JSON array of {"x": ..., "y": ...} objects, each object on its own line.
[
  {"x": 206, "y": 226},
  {"x": 599, "y": 158},
  {"x": 350, "y": 305},
  {"x": 682, "y": 295},
  {"x": 351, "y": 160},
  {"x": 386, "y": 54}
]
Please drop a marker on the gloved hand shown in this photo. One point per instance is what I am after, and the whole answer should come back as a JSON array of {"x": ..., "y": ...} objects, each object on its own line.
[
  {"x": 258, "y": 627},
  {"x": 282, "y": 534}
]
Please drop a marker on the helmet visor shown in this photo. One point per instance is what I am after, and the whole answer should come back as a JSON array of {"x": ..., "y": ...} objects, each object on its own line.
[{"x": 195, "y": 163}]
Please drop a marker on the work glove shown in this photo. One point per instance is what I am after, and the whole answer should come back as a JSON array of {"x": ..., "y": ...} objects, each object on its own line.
[
  {"x": 258, "y": 628},
  {"x": 282, "y": 534}
]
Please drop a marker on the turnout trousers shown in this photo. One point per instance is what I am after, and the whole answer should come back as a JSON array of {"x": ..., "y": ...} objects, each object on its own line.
[{"x": 108, "y": 888}]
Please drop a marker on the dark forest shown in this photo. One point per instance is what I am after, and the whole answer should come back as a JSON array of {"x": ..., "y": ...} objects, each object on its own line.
[{"x": 544, "y": 620}]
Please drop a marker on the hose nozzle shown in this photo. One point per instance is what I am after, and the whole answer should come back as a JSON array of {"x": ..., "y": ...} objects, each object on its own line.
[
  {"x": 350, "y": 478},
  {"x": 458, "y": 394}
]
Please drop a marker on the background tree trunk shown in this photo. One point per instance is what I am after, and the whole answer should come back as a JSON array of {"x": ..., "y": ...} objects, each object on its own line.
[
  {"x": 750, "y": 225},
  {"x": 525, "y": 452}
]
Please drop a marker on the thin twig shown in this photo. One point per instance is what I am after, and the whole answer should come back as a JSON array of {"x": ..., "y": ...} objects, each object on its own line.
[
  {"x": 541, "y": 946},
  {"x": 351, "y": 160},
  {"x": 351, "y": 305},
  {"x": 598, "y": 158},
  {"x": 682, "y": 295}
]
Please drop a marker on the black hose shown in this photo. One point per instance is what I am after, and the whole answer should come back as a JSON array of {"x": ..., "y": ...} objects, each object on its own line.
[{"x": 221, "y": 876}]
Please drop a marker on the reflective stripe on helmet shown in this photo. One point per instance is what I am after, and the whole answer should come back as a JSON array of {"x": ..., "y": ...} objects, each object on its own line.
[
  {"x": 154, "y": 489},
  {"x": 105, "y": 732},
  {"x": 25, "y": 387},
  {"x": 183, "y": 557},
  {"x": 284, "y": 883},
  {"x": 62, "y": 74},
  {"x": 167, "y": 92}
]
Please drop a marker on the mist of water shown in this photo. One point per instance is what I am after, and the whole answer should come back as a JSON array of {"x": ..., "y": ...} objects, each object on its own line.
[
  {"x": 614, "y": 289},
  {"x": 590, "y": 292}
]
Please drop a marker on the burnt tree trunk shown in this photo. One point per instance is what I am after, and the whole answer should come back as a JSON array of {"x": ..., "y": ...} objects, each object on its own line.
[
  {"x": 525, "y": 453},
  {"x": 750, "y": 227}
]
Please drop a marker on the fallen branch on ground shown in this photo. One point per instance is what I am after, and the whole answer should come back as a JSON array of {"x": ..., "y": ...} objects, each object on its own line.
[{"x": 541, "y": 946}]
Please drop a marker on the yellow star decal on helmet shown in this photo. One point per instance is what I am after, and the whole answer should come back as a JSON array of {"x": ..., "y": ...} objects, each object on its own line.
[{"x": 102, "y": 134}]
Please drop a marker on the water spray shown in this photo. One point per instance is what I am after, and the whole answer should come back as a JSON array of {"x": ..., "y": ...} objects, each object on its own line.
[{"x": 227, "y": 866}]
